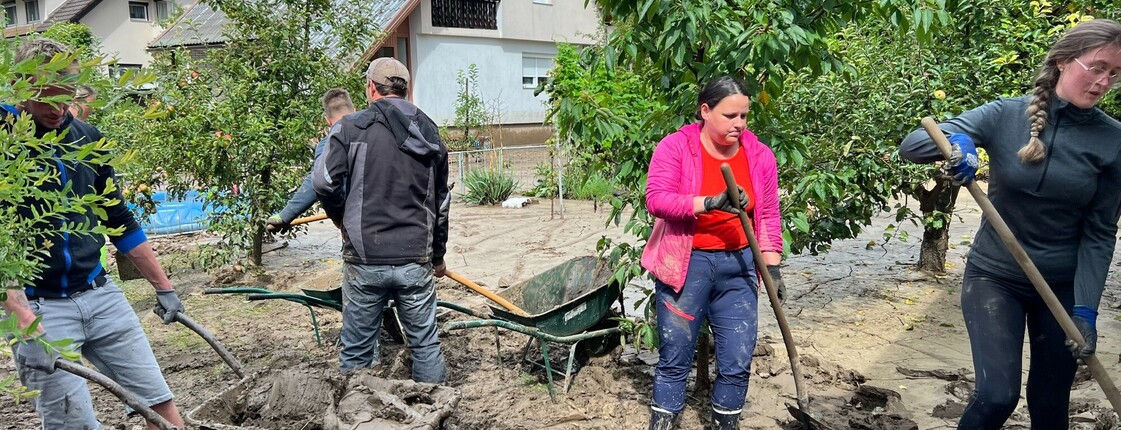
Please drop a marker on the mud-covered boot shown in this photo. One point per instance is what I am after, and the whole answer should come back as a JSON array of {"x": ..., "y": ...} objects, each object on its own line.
[
  {"x": 725, "y": 420},
  {"x": 661, "y": 419}
]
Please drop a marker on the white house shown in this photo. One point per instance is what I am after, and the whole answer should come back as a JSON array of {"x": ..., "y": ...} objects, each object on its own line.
[
  {"x": 125, "y": 27},
  {"x": 511, "y": 42}
]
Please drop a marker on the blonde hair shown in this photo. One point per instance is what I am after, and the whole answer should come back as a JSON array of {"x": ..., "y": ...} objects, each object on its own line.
[{"x": 1084, "y": 37}]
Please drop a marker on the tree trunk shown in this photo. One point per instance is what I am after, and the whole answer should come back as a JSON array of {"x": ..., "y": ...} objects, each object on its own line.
[
  {"x": 936, "y": 203},
  {"x": 259, "y": 228}
]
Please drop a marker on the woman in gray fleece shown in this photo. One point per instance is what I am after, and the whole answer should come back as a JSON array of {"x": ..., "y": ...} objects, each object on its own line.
[{"x": 1055, "y": 178}]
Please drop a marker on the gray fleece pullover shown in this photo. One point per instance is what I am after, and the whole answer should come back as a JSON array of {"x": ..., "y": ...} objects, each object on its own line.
[{"x": 1064, "y": 209}]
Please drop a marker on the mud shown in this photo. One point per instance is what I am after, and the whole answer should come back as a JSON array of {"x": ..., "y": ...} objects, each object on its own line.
[
  {"x": 315, "y": 397},
  {"x": 882, "y": 346}
]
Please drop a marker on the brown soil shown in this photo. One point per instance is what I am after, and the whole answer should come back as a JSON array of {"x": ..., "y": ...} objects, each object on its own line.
[{"x": 882, "y": 346}]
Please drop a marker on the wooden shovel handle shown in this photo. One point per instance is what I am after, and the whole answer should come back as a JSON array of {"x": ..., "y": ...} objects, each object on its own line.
[
  {"x": 485, "y": 292},
  {"x": 1021, "y": 256},
  {"x": 127, "y": 397},
  {"x": 308, "y": 219},
  {"x": 772, "y": 292}
]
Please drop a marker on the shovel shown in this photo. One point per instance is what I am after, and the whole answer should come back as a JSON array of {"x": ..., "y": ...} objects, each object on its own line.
[
  {"x": 802, "y": 413},
  {"x": 230, "y": 360},
  {"x": 117, "y": 390},
  {"x": 1021, "y": 256},
  {"x": 486, "y": 293}
]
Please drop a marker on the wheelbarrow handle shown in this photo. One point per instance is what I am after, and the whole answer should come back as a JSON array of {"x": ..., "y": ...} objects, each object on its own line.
[
  {"x": 128, "y": 398},
  {"x": 1032, "y": 272}
]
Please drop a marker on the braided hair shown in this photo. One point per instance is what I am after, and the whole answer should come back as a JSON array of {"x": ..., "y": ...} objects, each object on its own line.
[{"x": 1084, "y": 37}]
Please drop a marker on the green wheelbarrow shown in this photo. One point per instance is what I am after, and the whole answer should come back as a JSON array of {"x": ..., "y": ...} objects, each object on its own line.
[
  {"x": 568, "y": 304},
  {"x": 311, "y": 299}
]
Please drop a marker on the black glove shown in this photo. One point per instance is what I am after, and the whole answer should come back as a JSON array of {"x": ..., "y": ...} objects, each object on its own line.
[
  {"x": 34, "y": 355},
  {"x": 1086, "y": 321},
  {"x": 167, "y": 305},
  {"x": 776, "y": 276},
  {"x": 723, "y": 202},
  {"x": 277, "y": 225}
]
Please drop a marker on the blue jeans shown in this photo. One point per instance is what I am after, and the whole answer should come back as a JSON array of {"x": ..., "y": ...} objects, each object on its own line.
[
  {"x": 367, "y": 289},
  {"x": 107, "y": 332},
  {"x": 720, "y": 286}
]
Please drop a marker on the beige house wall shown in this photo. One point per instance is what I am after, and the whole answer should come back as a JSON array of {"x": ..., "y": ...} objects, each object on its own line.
[{"x": 531, "y": 20}]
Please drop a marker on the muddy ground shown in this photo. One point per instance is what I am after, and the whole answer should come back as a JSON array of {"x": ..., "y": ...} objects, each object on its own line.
[{"x": 883, "y": 345}]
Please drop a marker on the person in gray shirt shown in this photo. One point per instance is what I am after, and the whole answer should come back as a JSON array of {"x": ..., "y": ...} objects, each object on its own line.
[{"x": 1055, "y": 178}]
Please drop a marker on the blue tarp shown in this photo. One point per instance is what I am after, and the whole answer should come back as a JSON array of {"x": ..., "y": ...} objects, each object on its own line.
[{"x": 175, "y": 216}]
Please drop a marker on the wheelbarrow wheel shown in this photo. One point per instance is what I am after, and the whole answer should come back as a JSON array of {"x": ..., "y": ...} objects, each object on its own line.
[{"x": 603, "y": 345}]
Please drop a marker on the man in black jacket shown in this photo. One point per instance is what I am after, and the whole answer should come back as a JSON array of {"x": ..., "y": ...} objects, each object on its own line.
[
  {"x": 74, "y": 297},
  {"x": 383, "y": 180}
]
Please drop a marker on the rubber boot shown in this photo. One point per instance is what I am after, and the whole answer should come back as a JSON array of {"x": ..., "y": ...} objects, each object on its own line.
[
  {"x": 725, "y": 420},
  {"x": 662, "y": 420}
]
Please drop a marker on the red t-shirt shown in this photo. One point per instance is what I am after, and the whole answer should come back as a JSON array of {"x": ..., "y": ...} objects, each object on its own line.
[{"x": 718, "y": 230}]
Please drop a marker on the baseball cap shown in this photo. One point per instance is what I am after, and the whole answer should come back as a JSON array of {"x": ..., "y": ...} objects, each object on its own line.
[{"x": 381, "y": 69}]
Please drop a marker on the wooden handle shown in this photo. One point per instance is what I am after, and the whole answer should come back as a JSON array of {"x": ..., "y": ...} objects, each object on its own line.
[
  {"x": 772, "y": 292},
  {"x": 1021, "y": 256},
  {"x": 308, "y": 219},
  {"x": 485, "y": 292},
  {"x": 229, "y": 358},
  {"x": 127, "y": 397}
]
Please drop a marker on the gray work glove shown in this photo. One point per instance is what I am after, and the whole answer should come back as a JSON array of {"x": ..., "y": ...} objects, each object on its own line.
[
  {"x": 723, "y": 202},
  {"x": 275, "y": 224},
  {"x": 167, "y": 305},
  {"x": 1085, "y": 319},
  {"x": 34, "y": 355},
  {"x": 776, "y": 276}
]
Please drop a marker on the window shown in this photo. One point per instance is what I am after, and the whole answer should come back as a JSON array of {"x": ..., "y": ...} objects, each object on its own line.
[
  {"x": 161, "y": 10},
  {"x": 9, "y": 14},
  {"x": 32, "y": 9},
  {"x": 535, "y": 70},
  {"x": 480, "y": 14},
  {"x": 138, "y": 11},
  {"x": 403, "y": 50}
]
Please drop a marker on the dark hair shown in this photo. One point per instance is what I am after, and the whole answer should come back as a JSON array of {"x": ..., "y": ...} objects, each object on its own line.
[
  {"x": 336, "y": 103},
  {"x": 719, "y": 88},
  {"x": 397, "y": 87},
  {"x": 1083, "y": 38}
]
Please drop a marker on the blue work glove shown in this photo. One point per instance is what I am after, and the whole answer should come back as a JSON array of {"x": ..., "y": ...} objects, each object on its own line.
[
  {"x": 963, "y": 163},
  {"x": 723, "y": 202},
  {"x": 1086, "y": 320},
  {"x": 167, "y": 305},
  {"x": 34, "y": 355}
]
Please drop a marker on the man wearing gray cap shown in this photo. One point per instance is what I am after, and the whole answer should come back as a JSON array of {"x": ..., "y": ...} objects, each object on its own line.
[{"x": 383, "y": 180}]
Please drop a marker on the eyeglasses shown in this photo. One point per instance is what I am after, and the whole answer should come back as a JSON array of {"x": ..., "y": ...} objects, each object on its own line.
[{"x": 1097, "y": 73}]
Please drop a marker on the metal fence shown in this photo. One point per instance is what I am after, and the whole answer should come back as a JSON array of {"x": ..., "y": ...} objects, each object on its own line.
[{"x": 518, "y": 161}]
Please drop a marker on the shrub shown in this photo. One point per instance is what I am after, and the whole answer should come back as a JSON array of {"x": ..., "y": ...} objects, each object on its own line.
[
  {"x": 595, "y": 187},
  {"x": 488, "y": 187}
]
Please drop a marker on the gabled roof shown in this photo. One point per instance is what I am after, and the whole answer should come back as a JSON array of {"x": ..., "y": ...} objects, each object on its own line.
[
  {"x": 68, "y": 11},
  {"x": 201, "y": 25}
]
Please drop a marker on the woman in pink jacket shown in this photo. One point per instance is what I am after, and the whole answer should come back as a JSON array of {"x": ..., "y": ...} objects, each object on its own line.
[{"x": 699, "y": 254}]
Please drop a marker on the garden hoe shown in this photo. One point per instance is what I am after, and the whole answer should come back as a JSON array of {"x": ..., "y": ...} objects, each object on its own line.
[
  {"x": 802, "y": 411},
  {"x": 1021, "y": 256},
  {"x": 230, "y": 360},
  {"x": 128, "y": 398}
]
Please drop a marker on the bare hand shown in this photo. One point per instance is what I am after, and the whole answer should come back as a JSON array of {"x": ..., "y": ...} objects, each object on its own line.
[{"x": 440, "y": 270}]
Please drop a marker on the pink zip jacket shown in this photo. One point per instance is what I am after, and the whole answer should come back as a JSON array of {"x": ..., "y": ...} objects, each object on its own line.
[{"x": 674, "y": 179}]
